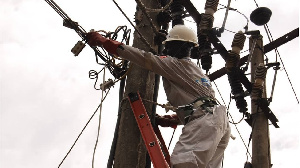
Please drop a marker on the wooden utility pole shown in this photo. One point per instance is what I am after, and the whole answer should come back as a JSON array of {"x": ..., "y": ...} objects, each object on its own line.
[
  {"x": 260, "y": 126},
  {"x": 130, "y": 149}
]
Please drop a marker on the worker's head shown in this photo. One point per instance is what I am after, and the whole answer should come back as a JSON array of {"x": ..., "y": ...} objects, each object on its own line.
[{"x": 179, "y": 41}]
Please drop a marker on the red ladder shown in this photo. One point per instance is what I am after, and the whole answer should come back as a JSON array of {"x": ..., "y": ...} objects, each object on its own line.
[{"x": 150, "y": 138}]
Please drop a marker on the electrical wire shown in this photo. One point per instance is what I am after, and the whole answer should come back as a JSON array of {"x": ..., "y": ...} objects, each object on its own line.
[
  {"x": 235, "y": 125},
  {"x": 228, "y": 8},
  {"x": 94, "y": 75},
  {"x": 156, "y": 10},
  {"x": 99, "y": 124},
  {"x": 226, "y": 14},
  {"x": 228, "y": 113},
  {"x": 143, "y": 8},
  {"x": 112, "y": 59},
  {"x": 82, "y": 132},
  {"x": 270, "y": 37},
  {"x": 171, "y": 138},
  {"x": 79, "y": 30},
  {"x": 141, "y": 36}
]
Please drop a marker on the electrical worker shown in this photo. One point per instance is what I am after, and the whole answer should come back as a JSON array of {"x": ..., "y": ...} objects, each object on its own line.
[{"x": 206, "y": 130}]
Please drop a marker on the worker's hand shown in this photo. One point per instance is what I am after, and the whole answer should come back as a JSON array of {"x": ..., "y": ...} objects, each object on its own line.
[
  {"x": 167, "y": 120},
  {"x": 95, "y": 39}
]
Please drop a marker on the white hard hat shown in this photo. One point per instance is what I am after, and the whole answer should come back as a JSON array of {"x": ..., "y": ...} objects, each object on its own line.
[{"x": 182, "y": 33}]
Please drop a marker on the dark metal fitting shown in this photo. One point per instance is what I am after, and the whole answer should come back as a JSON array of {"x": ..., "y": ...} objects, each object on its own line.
[
  {"x": 141, "y": 116},
  {"x": 160, "y": 36},
  {"x": 151, "y": 144},
  {"x": 164, "y": 17}
]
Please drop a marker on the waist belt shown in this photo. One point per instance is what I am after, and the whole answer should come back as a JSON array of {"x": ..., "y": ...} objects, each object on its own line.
[{"x": 203, "y": 102}]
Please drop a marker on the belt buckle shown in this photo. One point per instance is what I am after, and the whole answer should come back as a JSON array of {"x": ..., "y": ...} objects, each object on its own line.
[{"x": 198, "y": 104}]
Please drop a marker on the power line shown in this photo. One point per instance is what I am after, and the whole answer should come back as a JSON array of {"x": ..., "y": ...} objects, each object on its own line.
[
  {"x": 235, "y": 124},
  {"x": 142, "y": 37},
  {"x": 81, "y": 133},
  {"x": 270, "y": 37},
  {"x": 99, "y": 124},
  {"x": 143, "y": 8},
  {"x": 155, "y": 10}
]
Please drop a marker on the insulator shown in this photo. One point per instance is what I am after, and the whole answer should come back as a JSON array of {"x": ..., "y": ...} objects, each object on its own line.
[
  {"x": 237, "y": 91},
  {"x": 205, "y": 52},
  {"x": 258, "y": 85},
  {"x": 77, "y": 48},
  {"x": 260, "y": 72},
  {"x": 256, "y": 92},
  {"x": 205, "y": 23},
  {"x": 238, "y": 41},
  {"x": 232, "y": 60},
  {"x": 206, "y": 61},
  {"x": 177, "y": 10},
  {"x": 164, "y": 17},
  {"x": 248, "y": 165},
  {"x": 213, "y": 4},
  {"x": 235, "y": 83},
  {"x": 203, "y": 42},
  {"x": 107, "y": 84}
]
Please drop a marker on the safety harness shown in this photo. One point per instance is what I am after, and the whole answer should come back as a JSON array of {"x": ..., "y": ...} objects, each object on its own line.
[{"x": 204, "y": 102}]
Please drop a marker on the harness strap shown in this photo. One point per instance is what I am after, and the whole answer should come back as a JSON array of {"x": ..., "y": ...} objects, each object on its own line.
[{"x": 203, "y": 102}]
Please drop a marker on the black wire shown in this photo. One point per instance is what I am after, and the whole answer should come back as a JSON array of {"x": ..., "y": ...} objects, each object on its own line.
[
  {"x": 219, "y": 92},
  {"x": 228, "y": 114},
  {"x": 80, "y": 134},
  {"x": 233, "y": 9},
  {"x": 171, "y": 138},
  {"x": 235, "y": 124},
  {"x": 98, "y": 132},
  {"x": 255, "y": 3},
  {"x": 278, "y": 55},
  {"x": 142, "y": 37},
  {"x": 269, "y": 34}
]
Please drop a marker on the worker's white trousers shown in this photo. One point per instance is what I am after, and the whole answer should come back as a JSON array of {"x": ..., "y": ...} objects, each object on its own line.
[{"x": 203, "y": 141}]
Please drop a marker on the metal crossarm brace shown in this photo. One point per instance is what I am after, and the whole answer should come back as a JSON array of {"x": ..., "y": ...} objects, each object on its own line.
[{"x": 147, "y": 131}]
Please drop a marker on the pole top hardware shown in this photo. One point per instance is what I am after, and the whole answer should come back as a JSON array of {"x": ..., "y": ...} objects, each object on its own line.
[{"x": 261, "y": 16}]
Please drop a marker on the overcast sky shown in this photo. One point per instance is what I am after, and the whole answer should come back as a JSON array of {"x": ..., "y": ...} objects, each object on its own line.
[{"x": 46, "y": 96}]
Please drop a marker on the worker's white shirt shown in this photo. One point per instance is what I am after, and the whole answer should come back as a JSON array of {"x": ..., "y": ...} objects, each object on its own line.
[{"x": 183, "y": 80}]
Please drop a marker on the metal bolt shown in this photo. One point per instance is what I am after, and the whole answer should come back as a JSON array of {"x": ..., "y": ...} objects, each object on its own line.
[
  {"x": 141, "y": 116},
  {"x": 152, "y": 144}
]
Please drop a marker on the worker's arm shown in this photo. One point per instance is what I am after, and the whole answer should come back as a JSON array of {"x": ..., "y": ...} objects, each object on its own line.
[
  {"x": 160, "y": 65},
  {"x": 167, "y": 120},
  {"x": 96, "y": 39}
]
